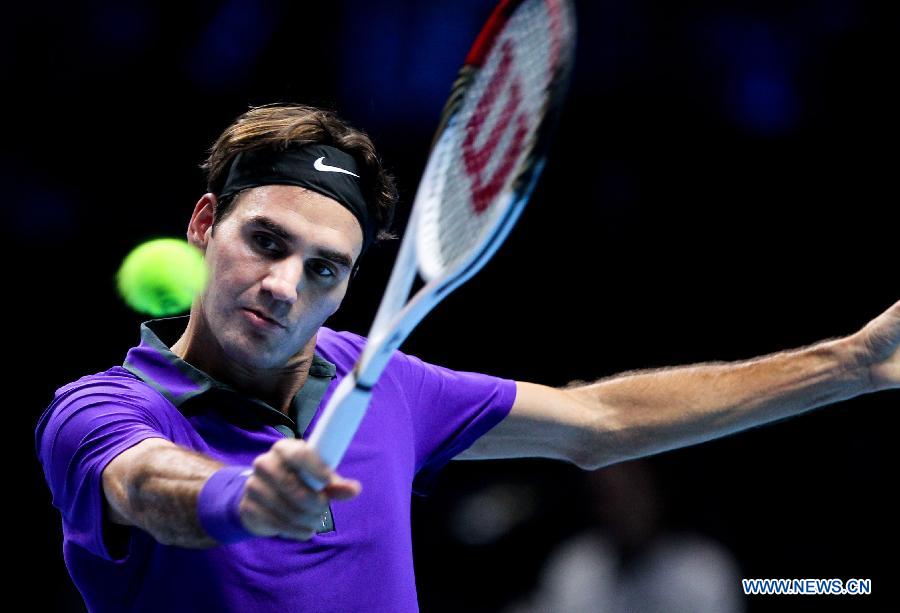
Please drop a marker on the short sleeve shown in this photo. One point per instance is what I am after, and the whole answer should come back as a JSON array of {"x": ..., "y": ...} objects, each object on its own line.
[
  {"x": 89, "y": 423},
  {"x": 449, "y": 411}
]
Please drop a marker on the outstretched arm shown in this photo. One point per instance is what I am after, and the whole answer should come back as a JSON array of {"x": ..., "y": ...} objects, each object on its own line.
[{"x": 645, "y": 412}]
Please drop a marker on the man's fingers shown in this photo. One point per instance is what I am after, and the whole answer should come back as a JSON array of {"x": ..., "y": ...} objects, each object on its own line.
[
  {"x": 285, "y": 514},
  {"x": 343, "y": 489},
  {"x": 281, "y": 501},
  {"x": 264, "y": 518},
  {"x": 287, "y": 483},
  {"x": 299, "y": 456},
  {"x": 263, "y": 522},
  {"x": 268, "y": 511}
]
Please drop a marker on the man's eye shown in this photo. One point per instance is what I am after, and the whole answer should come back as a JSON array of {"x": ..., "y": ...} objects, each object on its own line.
[
  {"x": 322, "y": 270},
  {"x": 265, "y": 242}
]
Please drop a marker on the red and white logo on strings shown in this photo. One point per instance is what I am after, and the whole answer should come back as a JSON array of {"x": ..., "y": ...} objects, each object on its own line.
[{"x": 484, "y": 186}]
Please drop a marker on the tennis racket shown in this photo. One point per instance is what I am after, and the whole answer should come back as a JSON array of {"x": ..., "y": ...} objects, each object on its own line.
[{"x": 485, "y": 160}]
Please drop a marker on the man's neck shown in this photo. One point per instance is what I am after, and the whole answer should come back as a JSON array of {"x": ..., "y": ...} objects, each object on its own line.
[{"x": 277, "y": 387}]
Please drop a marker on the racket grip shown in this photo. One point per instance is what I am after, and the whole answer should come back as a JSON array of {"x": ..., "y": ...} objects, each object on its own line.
[{"x": 338, "y": 424}]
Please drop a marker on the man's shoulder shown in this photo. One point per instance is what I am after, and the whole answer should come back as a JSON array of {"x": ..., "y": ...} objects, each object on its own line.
[
  {"x": 116, "y": 378},
  {"x": 81, "y": 405},
  {"x": 330, "y": 334},
  {"x": 339, "y": 346},
  {"x": 344, "y": 348},
  {"x": 115, "y": 384}
]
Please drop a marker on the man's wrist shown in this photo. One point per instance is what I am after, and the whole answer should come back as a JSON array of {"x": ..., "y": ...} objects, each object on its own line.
[
  {"x": 218, "y": 505},
  {"x": 856, "y": 362}
]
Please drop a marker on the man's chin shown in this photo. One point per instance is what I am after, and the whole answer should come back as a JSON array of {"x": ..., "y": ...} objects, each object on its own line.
[{"x": 252, "y": 355}]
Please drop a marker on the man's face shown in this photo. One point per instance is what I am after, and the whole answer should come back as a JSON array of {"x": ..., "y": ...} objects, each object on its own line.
[{"x": 283, "y": 253}]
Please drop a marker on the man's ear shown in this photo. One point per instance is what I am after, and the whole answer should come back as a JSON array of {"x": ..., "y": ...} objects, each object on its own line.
[{"x": 200, "y": 226}]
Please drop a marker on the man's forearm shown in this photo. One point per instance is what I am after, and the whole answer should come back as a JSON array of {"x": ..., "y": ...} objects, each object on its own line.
[
  {"x": 646, "y": 412},
  {"x": 160, "y": 495}
]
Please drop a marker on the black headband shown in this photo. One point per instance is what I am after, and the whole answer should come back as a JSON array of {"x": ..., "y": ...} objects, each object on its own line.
[{"x": 321, "y": 168}]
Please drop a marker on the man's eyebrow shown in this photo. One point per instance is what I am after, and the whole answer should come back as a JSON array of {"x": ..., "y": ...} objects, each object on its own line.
[{"x": 338, "y": 257}]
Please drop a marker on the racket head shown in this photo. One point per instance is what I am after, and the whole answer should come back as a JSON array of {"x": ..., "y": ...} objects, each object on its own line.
[
  {"x": 493, "y": 135},
  {"x": 487, "y": 155}
]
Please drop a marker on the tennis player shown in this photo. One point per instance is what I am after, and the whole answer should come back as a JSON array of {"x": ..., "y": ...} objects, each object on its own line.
[{"x": 177, "y": 473}]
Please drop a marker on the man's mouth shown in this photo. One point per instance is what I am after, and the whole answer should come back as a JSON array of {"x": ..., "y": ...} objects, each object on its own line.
[{"x": 265, "y": 318}]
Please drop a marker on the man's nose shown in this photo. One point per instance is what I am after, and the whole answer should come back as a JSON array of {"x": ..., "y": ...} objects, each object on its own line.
[{"x": 283, "y": 280}]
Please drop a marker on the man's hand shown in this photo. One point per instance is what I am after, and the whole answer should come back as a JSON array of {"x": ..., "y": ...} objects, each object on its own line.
[
  {"x": 276, "y": 500},
  {"x": 879, "y": 345}
]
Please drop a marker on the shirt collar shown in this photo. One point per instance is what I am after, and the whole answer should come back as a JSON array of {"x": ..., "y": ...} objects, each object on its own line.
[{"x": 153, "y": 362}]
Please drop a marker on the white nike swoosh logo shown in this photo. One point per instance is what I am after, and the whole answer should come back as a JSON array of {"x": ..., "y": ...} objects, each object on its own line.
[{"x": 318, "y": 165}]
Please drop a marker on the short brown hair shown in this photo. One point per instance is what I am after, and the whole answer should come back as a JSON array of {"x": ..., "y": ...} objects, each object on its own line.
[{"x": 280, "y": 125}]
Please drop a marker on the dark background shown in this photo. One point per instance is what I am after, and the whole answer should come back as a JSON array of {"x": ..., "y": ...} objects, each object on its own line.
[{"x": 721, "y": 186}]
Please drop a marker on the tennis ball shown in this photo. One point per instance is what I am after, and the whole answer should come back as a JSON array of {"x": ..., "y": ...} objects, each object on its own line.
[{"x": 161, "y": 277}]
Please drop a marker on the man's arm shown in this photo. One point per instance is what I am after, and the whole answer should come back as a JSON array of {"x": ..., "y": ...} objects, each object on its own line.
[
  {"x": 155, "y": 485},
  {"x": 641, "y": 413}
]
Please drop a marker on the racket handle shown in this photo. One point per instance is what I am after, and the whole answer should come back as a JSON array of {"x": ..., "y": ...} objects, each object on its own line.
[{"x": 338, "y": 424}]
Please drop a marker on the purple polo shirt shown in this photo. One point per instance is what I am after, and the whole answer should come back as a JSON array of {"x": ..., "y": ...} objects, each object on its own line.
[{"x": 420, "y": 417}]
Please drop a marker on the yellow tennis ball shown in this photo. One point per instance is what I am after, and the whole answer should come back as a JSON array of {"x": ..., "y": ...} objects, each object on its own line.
[{"x": 161, "y": 277}]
